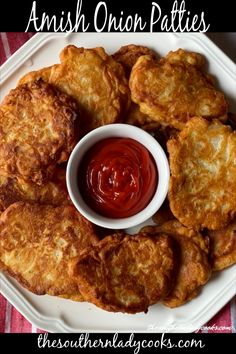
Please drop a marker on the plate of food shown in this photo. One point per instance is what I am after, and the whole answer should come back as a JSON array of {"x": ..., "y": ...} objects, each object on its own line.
[{"x": 152, "y": 116}]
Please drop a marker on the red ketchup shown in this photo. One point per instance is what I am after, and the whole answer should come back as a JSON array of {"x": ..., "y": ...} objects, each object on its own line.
[{"x": 118, "y": 177}]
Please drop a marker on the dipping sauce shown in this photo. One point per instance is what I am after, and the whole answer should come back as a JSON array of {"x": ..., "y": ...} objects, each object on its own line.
[{"x": 117, "y": 177}]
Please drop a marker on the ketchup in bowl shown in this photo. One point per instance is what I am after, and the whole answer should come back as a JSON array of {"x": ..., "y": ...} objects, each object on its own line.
[{"x": 117, "y": 177}]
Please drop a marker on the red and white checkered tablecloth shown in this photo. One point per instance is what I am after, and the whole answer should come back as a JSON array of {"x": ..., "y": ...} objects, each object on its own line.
[{"x": 11, "y": 321}]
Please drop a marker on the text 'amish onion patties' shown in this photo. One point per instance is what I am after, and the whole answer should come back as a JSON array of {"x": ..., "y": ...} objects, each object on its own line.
[
  {"x": 173, "y": 91},
  {"x": 202, "y": 191},
  {"x": 37, "y": 243},
  {"x": 36, "y": 131},
  {"x": 126, "y": 273},
  {"x": 193, "y": 269}
]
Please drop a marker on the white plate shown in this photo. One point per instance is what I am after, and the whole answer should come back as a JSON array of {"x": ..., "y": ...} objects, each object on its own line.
[{"x": 59, "y": 315}]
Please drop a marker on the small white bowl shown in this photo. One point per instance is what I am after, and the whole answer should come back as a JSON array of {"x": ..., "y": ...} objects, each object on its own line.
[{"x": 123, "y": 131}]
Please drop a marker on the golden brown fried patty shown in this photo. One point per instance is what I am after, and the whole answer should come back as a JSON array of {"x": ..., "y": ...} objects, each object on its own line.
[
  {"x": 172, "y": 92},
  {"x": 42, "y": 74},
  {"x": 36, "y": 131},
  {"x": 127, "y": 57},
  {"x": 96, "y": 81},
  {"x": 223, "y": 246},
  {"x": 129, "y": 54},
  {"x": 194, "y": 269},
  {"x": 37, "y": 243},
  {"x": 202, "y": 191},
  {"x": 126, "y": 274},
  {"x": 191, "y": 58},
  {"x": 52, "y": 192}
]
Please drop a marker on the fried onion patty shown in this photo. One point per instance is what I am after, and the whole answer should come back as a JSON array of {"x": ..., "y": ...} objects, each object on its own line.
[
  {"x": 96, "y": 81},
  {"x": 126, "y": 273},
  {"x": 174, "y": 91},
  {"x": 41, "y": 74},
  {"x": 223, "y": 246},
  {"x": 52, "y": 192},
  {"x": 202, "y": 191},
  {"x": 36, "y": 130},
  {"x": 127, "y": 55},
  {"x": 37, "y": 243},
  {"x": 193, "y": 269}
]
